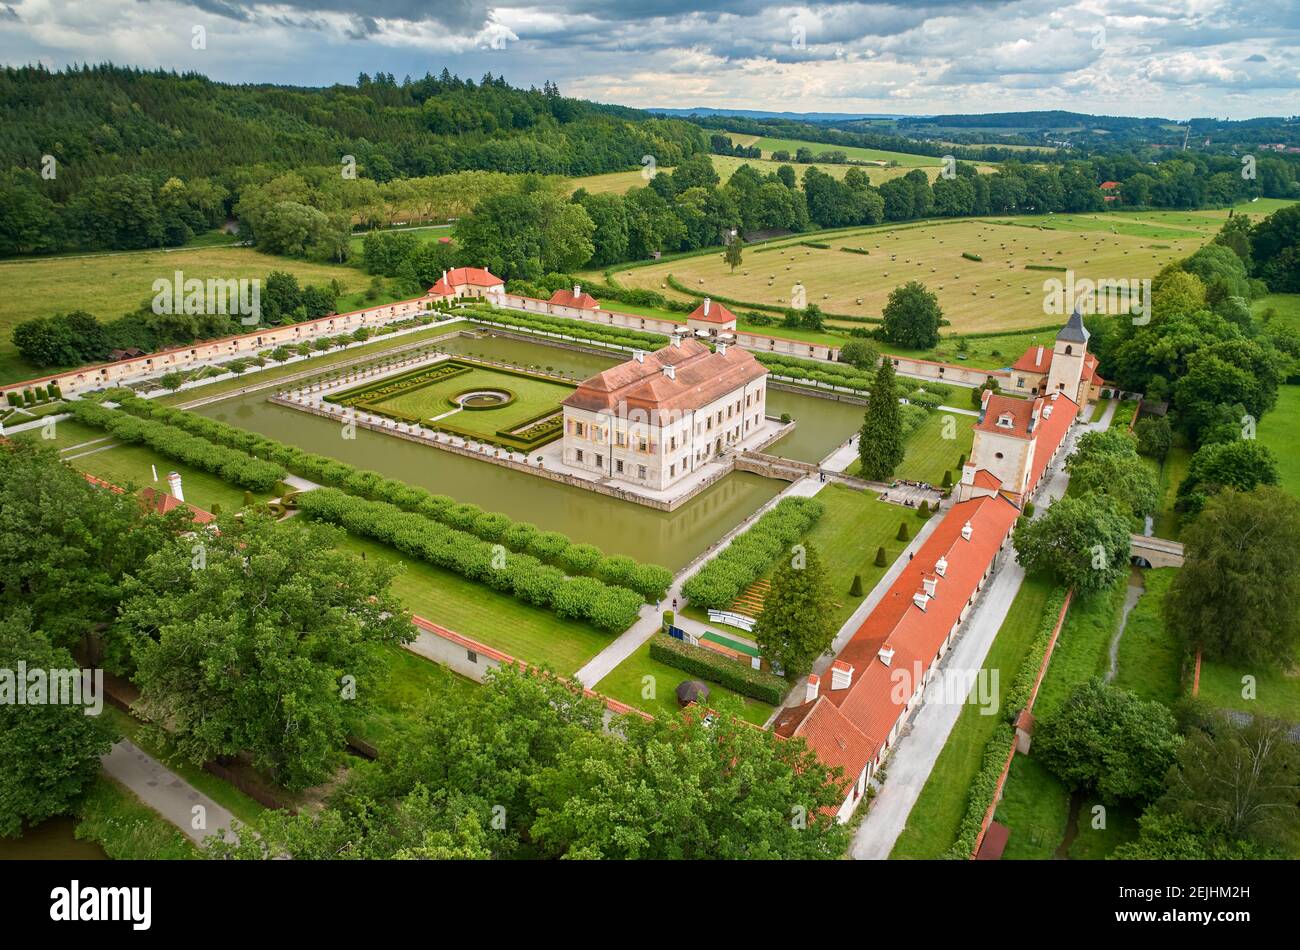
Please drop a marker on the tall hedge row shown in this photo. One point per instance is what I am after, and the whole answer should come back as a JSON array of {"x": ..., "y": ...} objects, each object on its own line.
[
  {"x": 749, "y": 556},
  {"x": 230, "y": 464},
  {"x": 708, "y": 665},
  {"x": 571, "y": 327},
  {"x": 650, "y": 580},
  {"x": 522, "y": 576}
]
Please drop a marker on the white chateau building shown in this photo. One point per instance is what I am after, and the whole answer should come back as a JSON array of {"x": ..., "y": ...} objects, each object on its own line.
[{"x": 658, "y": 417}]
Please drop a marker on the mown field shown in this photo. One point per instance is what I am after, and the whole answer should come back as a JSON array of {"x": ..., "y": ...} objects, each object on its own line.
[
  {"x": 770, "y": 145},
  {"x": 998, "y": 292},
  {"x": 110, "y": 285}
]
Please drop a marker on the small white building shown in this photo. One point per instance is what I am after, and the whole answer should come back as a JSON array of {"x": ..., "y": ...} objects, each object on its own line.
[
  {"x": 658, "y": 417},
  {"x": 466, "y": 282}
]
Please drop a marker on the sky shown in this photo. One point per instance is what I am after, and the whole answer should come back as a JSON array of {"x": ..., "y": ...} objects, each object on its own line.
[{"x": 1174, "y": 58}]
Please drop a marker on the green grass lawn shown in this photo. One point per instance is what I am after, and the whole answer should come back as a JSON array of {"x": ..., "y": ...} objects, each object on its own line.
[
  {"x": 129, "y": 465},
  {"x": 1119, "y": 824},
  {"x": 1036, "y": 807},
  {"x": 1124, "y": 413},
  {"x": 66, "y": 435},
  {"x": 657, "y": 695},
  {"x": 1280, "y": 431},
  {"x": 770, "y": 145},
  {"x": 1277, "y": 692},
  {"x": 1150, "y": 658},
  {"x": 847, "y": 536},
  {"x": 936, "y": 817},
  {"x": 128, "y": 829},
  {"x": 525, "y": 632},
  {"x": 1285, "y": 307},
  {"x": 1080, "y": 652},
  {"x": 928, "y": 454},
  {"x": 424, "y": 235},
  {"x": 532, "y": 397},
  {"x": 412, "y": 682}
]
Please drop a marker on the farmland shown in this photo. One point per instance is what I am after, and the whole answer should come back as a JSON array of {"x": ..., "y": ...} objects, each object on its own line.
[
  {"x": 999, "y": 292},
  {"x": 770, "y": 145}
]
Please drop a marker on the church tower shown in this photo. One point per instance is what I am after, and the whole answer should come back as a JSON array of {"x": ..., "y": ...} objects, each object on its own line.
[{"x": 1071, "y": 347}]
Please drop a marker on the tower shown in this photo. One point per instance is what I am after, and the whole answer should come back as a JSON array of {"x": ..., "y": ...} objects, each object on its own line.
[{"x": 1067, "y": 358}]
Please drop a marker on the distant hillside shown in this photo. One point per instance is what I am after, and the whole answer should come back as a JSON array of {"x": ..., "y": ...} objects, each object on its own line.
[{"x": 792, "y": 116}]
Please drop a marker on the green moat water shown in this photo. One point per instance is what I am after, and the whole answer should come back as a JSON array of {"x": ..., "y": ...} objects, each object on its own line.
[{"x": 672, "y": 539}]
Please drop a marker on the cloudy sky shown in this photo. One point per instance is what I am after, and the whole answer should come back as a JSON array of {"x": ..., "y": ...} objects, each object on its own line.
[{"x": 1176, "y": 58}]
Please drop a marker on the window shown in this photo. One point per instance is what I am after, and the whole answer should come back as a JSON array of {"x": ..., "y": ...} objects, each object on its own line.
[
  {"x": 578, "y": 454},
  {"x": 1020, "y": 382},
  {"x": 600, "y": 460},
  {"x": 643, "y": 445},
  {"x": 998, "y": 455},
  {"x": 672, "y": 444},
  {"x": 618, "y": 466},
  {"x": 471, "y": 656},
  {"x": 640, "y": 471},
  {"x": 672, "y": 471},
  {"x": 1069, "y": 350}
]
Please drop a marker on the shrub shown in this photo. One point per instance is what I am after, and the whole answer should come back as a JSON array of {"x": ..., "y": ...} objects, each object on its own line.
[
  {"x": 580, "y": 558},
  {"x": 881, "y": 559},
  {"x": 903, "y": 534},
  {"x": 855, "y": 589},
  {"x": 947, "y": 479},
  {"x": 982, "y": 788},
  {"x": 923, "y": 512},
  {"x": 697, "y": 661},
  {"x": 669, "y": 617},
  {"x": 971, "y": 257}
]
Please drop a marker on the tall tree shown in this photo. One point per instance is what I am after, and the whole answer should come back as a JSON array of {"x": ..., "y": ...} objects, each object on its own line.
[
  {"x": 1082, "y": 541},
  {"x": 1236, "y": 594},
  {"x": 795, "y": 627},
  {"x": 735, "y": 251},
  {"x": 912, "y": 317},
  {"x": 49, "y": 751},
  {"x": 262, "y": 638},
  {"x": 880, "y": 444}
]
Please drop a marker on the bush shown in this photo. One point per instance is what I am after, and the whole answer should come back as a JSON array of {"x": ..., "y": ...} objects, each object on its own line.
[
  {"x": 1017, "y": 694},
  {"x": 971, "y": 257},
  {"x": 882, "y": 559},
  {"x": 855, "y": 589},
  {"x": 750, "y": 555},
  {"x": 982, "y": 788},
  {"x": 903, "y": 534},
  {"x": 697, "y": 661},
  {"x": 923, "y": 511},
  {"x": 669, "y": 618}
]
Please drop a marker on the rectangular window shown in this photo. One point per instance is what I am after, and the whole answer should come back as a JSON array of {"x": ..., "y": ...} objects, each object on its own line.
[
  {"x": 471, "y": 656},
  {"x": 579, "y": 455},
  {"x": 672, "y": 444},
  {"x": 618, "y": 467},
  {"x": 672, "y": 471},
  {"x": 600, "y": 460},
  {"x": 640, "y": 471},
  {"x": 643, "y": 446}
]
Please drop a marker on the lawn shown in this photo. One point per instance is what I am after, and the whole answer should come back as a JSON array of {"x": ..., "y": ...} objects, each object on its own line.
[
  {"x": 847, "y": 535},
  {"x": 110, "y": 285},
  {"x": 770, "y": 145},
  {"x": 1036, "y": 807},
  {"x": 412, "y": 683},
  {"x": 127, "y": 465},
  {"x": 928, "y": 454},
  {"x": 1276, "y": 692},
  {"x": 1119, "y": 825},
  {"x": 1168, "y": 523},
  {"x": 66, "y": 435},
  {"x": 1285, "y": 307},
  {"x": 1081, "y": 649},
  {"x": 657, "y": 695},
  {"x": 1280, "y": 431},
  {"x": 425, "y": 235},
  {"x": 997, "y": 293},
  {"x": 1150, "y": 657},
  {"x": 532, "y": 397},
  {"x": 936, "y": 817},
  {"x": 525, "y": 632}
]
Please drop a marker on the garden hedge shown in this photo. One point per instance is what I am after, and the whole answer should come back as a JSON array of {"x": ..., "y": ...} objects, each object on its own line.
[
  {"x": 1017, "y": 694},
  {"x": 982, "y": 788},
  {"x": 650, "y": 580},
  {"x": 521, "y": 576},
  {"x": 697, "y": 661},
  {"x": 749, "y": 556},
  {"x": 230, "y": 464}
]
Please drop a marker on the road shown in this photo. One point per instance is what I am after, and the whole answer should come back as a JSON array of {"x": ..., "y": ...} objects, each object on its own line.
[{"x": 167, "y": 793}]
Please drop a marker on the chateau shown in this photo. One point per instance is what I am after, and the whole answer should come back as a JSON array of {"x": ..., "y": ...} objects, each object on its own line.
[
  {"x": 656, "y": 418},
  {"x": 1067, "y": 368}
]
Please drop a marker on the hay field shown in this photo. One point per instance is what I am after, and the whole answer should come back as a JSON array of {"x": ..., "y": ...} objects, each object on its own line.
[
  {"x": 997, "y": 293},
  {"x": 770, "y": 145}
]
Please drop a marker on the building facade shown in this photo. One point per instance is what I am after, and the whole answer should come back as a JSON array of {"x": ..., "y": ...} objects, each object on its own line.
[
  {"x": 660, "y": 416},
  {"x": 462, "y": 282},
  {"x": 1067, "y": 368}
]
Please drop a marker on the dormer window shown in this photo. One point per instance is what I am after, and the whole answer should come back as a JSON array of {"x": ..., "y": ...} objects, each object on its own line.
[{"x": 1005, "y": 421}]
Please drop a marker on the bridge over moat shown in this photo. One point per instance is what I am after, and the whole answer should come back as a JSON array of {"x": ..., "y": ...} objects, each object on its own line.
[{"x": 1156, "y": 552}]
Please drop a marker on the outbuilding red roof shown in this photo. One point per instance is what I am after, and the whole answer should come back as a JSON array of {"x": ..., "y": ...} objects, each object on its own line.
[
  {"x": 710, "y": 311},
  {"x": 580, "y": 300}
]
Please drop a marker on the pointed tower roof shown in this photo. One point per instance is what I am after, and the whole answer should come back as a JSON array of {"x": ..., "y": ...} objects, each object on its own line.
[{"x": 1074, "y": 331}]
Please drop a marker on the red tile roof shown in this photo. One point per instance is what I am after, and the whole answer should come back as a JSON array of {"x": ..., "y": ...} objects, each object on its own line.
[
  {"x": 1050, "y": 432},
  {"x": 1108, "y": 185},
  {"x": 872, "y": 703},
  {"x": 716, "y": 313},
  {"x": 1036, "y": 359},
  {"x": 464, "y": 276},
  {"x": 986, "y": 479},
  {"x": 1020, "y": 413},
  {"x": 162, "y": 502},
  {"x": 700, "y": 377},
  {"x": 582, "y": 301}
]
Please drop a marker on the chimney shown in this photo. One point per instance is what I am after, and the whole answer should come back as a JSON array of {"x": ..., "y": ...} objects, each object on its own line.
[
  {"x": 577, "y": 290},
  {"x": 722, "y": 349},
  {"x": 967, "y": 531},
  {"x": 1047, "y": 411},
  {"x": 811, "y": 689},
  {"x": 174, "y": 483},
  {"x": 677, "y": 339},
  {"x": 444, "y": 275},
  {"x": 941, "y": 566},
  {"x": 670, "y": 371},
  {"x": 921, "y": 599},
  {"x": 638, "y": 355},
  {"x": 887, "y": 654},
  {"x": 1038, "y": 360},
  {"x": 841, "y": 675},
  {"x": 707, "y": 302},
  {"x": 984, "y": 400},
  {"x": 930, "y": 583}
]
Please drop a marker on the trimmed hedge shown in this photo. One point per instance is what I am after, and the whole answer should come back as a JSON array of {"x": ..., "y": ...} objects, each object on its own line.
[
  {"x": 749, "y": 556},
  {"x": 522, "y": 576},
  {"x": 1017, "y": 695},
  {"x": 1047, "y": 267},
  {"x": 636, "y": 339},
  {"x": 230, "y": 464},
  {"x": 982, "y": 788},
  {"x": 757, "y": 684},
  {"x": 650, "y": 580},
  {"x": 971, "y": 257}
]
